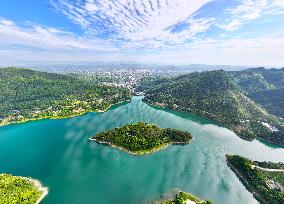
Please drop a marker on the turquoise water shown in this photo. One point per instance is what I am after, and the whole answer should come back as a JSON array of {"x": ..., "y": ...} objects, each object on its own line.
[{"x": 76, "y": 170}]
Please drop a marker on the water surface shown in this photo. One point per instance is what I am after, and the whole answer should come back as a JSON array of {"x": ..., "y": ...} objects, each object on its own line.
[{"x": 76, "y": 170}]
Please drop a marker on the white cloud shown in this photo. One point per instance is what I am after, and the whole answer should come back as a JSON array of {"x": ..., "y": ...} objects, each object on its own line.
[
  {"x": 6, "y": 22},
  {"x": 264, "y": 51},
  {"x": 276, "y": 7},
  {"x": 134, "y": 20},
  {"x": 90, "y": 6},
  {"x": 168, "y": 31},
  {"x": 249, "y": 10},
  {"x": 37, "y": 36}
]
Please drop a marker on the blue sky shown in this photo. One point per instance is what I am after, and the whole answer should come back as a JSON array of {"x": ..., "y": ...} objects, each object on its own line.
[{"x": 232, "y": 32}]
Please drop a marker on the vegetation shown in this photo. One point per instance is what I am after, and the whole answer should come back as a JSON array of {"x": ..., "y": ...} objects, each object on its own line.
[
  {"x": 272, "y": 100},
  {"x": 217, "y": 96},
  {"x": 257, "y": 180},
  {"x": 181, "y": 198},
  {"x": 265, "y": 86},
  {"x": 14, "y": 190},
  {"x": 142, "y": 138},
  {"x": 31, "y": 95}
]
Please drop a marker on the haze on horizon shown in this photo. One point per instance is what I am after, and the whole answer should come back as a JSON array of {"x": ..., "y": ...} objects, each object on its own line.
[{"x": 228, "y": 32}]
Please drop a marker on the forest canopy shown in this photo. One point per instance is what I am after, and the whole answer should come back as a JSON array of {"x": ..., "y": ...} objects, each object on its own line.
[
  {"x": 26, "y": 94},
  {"x": 142, "y": 137}
]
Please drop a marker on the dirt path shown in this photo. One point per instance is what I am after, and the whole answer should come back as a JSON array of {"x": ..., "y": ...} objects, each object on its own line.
[{"x": 264, "y": 169}]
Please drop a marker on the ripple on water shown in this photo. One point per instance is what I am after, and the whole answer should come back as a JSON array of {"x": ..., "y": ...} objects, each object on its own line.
[{"x": 77, "y": 170}]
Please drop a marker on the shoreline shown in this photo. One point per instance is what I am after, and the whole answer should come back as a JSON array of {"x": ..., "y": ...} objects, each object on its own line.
[
  {"x": 62, "y": 117},
  {"x": 39, "y": 186},
  {"x": 216, "y": 122},
  {"x": 273, "y": 143},
  {"x": 139, "y": 153},
  {"x": 246, "y": 183}
]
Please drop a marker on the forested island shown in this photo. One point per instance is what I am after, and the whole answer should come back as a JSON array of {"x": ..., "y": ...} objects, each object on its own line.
[
  {"x": 16, "y": 189},
  {"x": 141, "y": 138},
  {"x": 183, "y": 198},
  {"x": 232, "y": 99},
  {"x": 32, "y": 95},
  {"x": 266, "y": 184}
]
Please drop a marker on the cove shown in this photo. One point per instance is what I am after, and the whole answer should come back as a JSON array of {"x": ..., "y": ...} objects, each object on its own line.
[{"x": 76, "y": 170}]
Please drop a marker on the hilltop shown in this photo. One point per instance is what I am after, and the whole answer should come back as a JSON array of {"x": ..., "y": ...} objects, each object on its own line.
[
  {"x": 217, "y": 96},
  {"x": 30, "y": 95}
]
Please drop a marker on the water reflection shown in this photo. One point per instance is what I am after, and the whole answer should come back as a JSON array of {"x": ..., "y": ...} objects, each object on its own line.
[{"x": 77, "y": 170}]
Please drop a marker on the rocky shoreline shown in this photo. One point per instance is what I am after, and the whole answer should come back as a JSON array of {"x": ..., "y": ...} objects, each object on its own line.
[
  {"x": 39, "y": 186},
  {"x": 142, "y": 152}
]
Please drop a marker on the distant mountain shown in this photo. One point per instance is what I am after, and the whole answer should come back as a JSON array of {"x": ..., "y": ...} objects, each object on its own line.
[
  {"x": 217, "y": 96},
  {"x": 98, "y": 66}
]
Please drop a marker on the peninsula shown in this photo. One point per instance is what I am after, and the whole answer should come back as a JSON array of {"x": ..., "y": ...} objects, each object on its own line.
[
  {"x": 265, "y": 180},
  {"x": 16, "y": 189},
  {"x": 27, "y": 95},
  {"x": 223, "y": 98},
  {"x": 141, "y": 138}
]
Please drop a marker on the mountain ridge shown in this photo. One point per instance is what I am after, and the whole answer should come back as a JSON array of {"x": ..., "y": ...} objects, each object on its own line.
[{"x": 216, "y": 95}]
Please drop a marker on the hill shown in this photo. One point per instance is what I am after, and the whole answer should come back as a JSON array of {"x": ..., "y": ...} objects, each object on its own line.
[
  {"x": 217, "y": 96},
  {"x": 28, "y": 95},
  {"x": 141, "y": 138},
  {"x": 264, "y": 86}
]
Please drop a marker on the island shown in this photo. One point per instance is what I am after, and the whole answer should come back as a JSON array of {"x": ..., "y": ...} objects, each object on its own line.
[
  {"x": 16, "y": 189},
  {"x": 141, "y": 138},
  {"x": 183, "y": 198},
  {"x": 27, "y": 95},
  {"x": 265, "y": 180}
]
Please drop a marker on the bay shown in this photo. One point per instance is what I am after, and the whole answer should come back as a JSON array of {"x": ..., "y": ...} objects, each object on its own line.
[{"x": 76, "y": 170}]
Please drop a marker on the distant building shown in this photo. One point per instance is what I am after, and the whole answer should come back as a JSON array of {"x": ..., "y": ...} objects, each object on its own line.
[
  {"x": 270, "y": 127},
  {"x": 274, "y": 185}
]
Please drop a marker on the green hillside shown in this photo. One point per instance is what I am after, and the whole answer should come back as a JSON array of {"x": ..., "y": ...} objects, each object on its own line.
[
  {"x": 252, "y": 81},
  {"x": 27, "y": 95},
  {"x": 217, "y": 96},
  {"x": 264, "y": 86}
]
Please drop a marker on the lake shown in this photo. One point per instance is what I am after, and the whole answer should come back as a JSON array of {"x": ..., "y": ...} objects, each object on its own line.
[{"x": 76, "y": 170}]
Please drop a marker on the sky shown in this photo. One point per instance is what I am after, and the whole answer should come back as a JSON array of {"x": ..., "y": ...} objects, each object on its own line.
[{"x": 223, "y": 32}]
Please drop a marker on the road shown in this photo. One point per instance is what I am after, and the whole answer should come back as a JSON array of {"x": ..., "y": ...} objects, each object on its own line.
[{"x": 264, "y": 169}]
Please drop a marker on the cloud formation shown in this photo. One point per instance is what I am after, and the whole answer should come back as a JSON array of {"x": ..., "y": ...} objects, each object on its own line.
[
  {"x": 37, "y": 36},
  {"x": 249, "y": 10},
  {"x": 172, "y": 31},
  {"x": 135, "y": 20}
]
